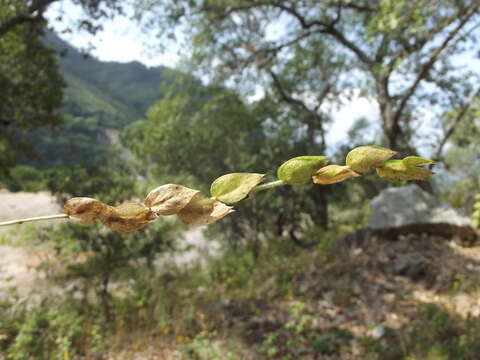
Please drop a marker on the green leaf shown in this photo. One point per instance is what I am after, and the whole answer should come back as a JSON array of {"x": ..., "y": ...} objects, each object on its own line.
[
  {"x": 364, "y": 159},
  {"x": 231, "y": 188},
  {"x": 299, "y": 170}
]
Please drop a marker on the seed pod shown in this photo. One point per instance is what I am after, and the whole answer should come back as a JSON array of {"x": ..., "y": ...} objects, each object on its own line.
[
  {"x": 299, "y": 170},
  {"x": 84, "y": 210},
  {"x": 364, "y": 159},
  {"x": 408, "y": 168},
  {"x": 231, "y": 188},
  {"x": 203, "y": 211},
  {"x": 169, "y": 199},
  {"x": 331, "y": 174},
  {"x": 128, "y": 217}
]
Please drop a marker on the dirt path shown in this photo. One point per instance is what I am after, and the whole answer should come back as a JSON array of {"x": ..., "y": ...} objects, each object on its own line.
[
  {"x": 18, "y": 272},
  {"x": 18, "y": 263},
  {"x": 23, "y": 205}
]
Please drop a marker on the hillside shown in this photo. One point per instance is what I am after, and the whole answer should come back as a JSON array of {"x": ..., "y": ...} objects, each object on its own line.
[
  {"x": 120, "y": 91},
  {"x": 99, "y": 97}
]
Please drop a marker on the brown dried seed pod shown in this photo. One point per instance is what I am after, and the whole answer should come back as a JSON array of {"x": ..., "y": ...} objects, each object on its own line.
[
  {"x": 84, "y": 210},
  {"x": 203, "y": 211},
  {"x": 169, "y": 199},
  {"x": 128, "y": 217}
]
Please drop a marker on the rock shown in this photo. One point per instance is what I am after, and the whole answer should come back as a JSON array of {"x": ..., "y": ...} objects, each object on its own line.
[
  {"x": 409, "y": 209},
  {"x": 377, "y": 332}
]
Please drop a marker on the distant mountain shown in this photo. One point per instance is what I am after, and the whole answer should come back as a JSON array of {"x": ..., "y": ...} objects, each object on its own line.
[
  {"x": 126, "y": 90},
  {"x": 100, "y": 99}
]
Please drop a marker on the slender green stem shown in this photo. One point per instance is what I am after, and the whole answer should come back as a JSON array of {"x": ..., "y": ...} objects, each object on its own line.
[
  {"x": 38, "y": 218},
  {"x": 268, "y": 186}
]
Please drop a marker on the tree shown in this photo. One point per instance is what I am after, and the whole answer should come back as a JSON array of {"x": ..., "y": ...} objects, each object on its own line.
[
  {"x": 31, "y": 87},
  {"x": 17, "y": 13},
  {"x": 401, "y": 52},
  {"x": 194, "y": 133},
  {"x": 31, "y": 83},
  {"x": 462, "y": 155}
]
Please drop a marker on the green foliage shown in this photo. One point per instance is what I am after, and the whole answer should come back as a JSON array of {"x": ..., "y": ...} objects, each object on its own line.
[
  {"x": 462, "y": 179},
  {"x": 435, "y": 335},
  {"x": 31, "y": 84},
  {"x": 114, "y": 93},
  {"x": 476, "y": 211},
  {"x": 46, "y": 331},
  {"x": 324, "y": 50},
  {"x": 27, "y": 178}
]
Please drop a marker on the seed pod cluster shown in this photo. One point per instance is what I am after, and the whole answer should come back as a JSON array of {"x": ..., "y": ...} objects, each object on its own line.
[
  {"x": 195, "y": 209},
  {"x": 192, "y": 208}
]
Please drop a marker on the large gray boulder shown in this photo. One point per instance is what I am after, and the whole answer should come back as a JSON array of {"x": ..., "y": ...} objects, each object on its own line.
[{"x": 410, "y": 209}]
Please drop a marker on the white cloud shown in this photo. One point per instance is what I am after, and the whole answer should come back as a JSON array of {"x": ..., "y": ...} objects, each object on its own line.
[
  {"x": 120, "y": 40},
  {"x": 345, "y": 115}
]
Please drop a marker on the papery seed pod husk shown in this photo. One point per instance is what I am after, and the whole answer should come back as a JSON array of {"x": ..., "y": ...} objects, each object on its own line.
[
  {"x": 231, "y": 188},
  {"x": 128, "y": 217},
  {"x": 203, "y": 211},
  {"x": 411, "y": 161},
  {"x": 400, "y": 170},
  {"x": 84, "y": 210},
  {"x": 364, "y": 159},
  {"x": 169, "y": 199},
  {"x": 299, "y": 170},
  {"x": 332, "y": 174}
]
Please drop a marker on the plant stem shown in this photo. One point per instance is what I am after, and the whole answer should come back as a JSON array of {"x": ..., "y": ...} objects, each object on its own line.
[
  {"x": 38, "y": 218},
  {"x": 268, "y": 186}
]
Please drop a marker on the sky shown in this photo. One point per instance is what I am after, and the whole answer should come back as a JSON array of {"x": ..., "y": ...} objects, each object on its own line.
[{"x": 120, "y": 40}]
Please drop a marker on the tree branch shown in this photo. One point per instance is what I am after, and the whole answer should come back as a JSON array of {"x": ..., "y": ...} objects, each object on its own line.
[
  {"x": 426, "y": 67},
  {"x": 33, "y": 14},
  {"x": 461, "y": 114},
  {"x": 283, "y": 93}
]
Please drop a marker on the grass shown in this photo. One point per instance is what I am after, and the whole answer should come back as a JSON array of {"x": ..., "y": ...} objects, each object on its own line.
[{"x": 289, "y": 303}]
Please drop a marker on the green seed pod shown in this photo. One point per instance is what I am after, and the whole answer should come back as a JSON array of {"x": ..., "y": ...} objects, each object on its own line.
[
  {"x": 231, "y": 188},
  {"x": 299, "y": 170},
  {"x": 405, "y": 169},
  {"x": 332, "y": 174},
  {"x": 364, "y": 159}
]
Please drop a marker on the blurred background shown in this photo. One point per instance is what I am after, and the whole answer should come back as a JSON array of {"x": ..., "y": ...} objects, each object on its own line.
[{"x": 110, "y": 99}]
